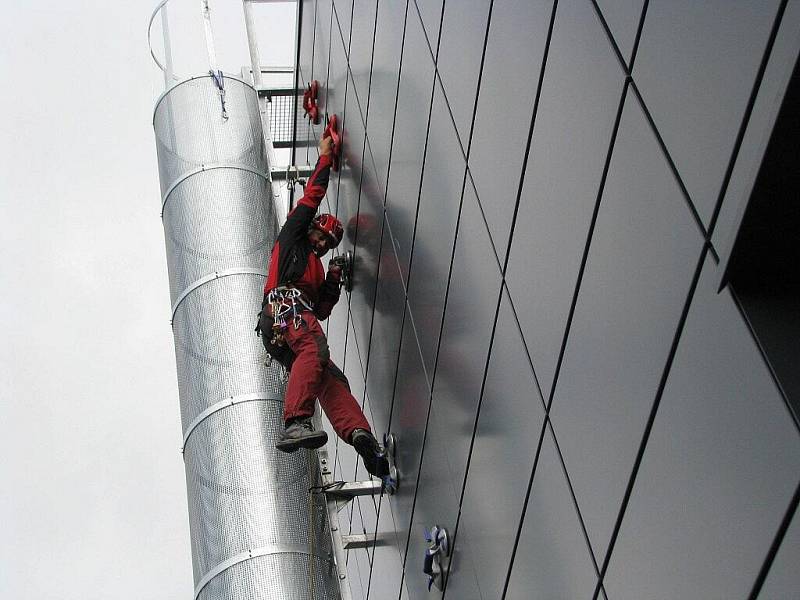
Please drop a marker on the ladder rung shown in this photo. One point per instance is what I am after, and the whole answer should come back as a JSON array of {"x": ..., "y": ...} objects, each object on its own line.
[
  {"x": 284, "y": 91},
  {"x": 362, "y": 540},
  {"x": 355, "y": 488},
  {"x": 279, "y": 173}
]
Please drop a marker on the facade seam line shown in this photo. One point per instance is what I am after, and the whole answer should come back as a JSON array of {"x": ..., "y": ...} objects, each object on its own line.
[
  {"x": 251, "y": 554},
  {"x": 222, "y": 404},
  {"x": 212, "y": 277},
  {"x": 166, "y": 92},
  {"x": 203, "y": 169}
]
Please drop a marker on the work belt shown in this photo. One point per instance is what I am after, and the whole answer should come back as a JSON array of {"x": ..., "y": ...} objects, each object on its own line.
[{"x": 286, "y": 305}]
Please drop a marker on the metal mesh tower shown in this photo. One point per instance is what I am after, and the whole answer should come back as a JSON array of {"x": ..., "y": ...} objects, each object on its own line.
[{"x": 256, "y": 531}]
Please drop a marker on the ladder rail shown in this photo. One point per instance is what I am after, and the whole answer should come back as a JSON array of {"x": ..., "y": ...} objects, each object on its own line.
[{"x": 332, "y": 506}]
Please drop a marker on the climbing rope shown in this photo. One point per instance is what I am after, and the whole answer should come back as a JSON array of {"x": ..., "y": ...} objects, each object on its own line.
[{"x": 321, "y": 489}]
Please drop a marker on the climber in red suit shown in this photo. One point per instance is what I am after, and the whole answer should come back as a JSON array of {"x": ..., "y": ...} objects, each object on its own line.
[{"x": 297, "y": 295}]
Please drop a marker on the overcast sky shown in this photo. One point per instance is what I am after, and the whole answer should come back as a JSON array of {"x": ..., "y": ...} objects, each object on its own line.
[{"x": 93, "y": 502}]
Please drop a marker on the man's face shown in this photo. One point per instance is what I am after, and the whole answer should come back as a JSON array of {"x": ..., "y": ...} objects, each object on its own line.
[{"x": 319, "y": 242}]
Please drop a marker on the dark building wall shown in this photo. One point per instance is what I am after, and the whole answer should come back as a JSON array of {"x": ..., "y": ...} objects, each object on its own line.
[{"x": 541, "y": 198}]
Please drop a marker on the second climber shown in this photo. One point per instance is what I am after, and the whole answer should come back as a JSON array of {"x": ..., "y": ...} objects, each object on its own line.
[{"x": 297, "y": 295}]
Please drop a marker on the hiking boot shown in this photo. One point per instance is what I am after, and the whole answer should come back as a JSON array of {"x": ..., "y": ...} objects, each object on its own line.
[
  {"x": 300, "y": 433},
  {"x": 374, "y": 457}
]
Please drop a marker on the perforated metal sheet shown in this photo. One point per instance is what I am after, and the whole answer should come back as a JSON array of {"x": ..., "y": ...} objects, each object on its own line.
[
  {"x": 217, "y": 352},
  {"x": 256, "y": 531},
  {"x": 190, "y": 130},
  {"x": 217, "y": 220},
  {"x": 243, "y": 494},
  {"x": 272, "y": 578}
]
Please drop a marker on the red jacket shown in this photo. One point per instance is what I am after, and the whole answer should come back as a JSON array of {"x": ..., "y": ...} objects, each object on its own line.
[{"x": 293, "y": 261}]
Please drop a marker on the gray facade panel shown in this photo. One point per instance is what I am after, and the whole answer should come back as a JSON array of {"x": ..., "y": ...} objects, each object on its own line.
[
  {"x": 348, "y": 181},
  {"x": 466, "y": 334},
  {"x": 643, "y": 255},
  {"x": 784, "y": 574},
  {"x": 307, "y": 45},
  {"x": 436, "y": 227},
  {"x": 387, "y": 573},
  {"x": 517, "y": 37},
  {"x": 385, "y": 583},
  {"x": 305, "y": 131},
  {"x": 408, "y": 149},
  {"x": 459, "y": 374},
  {"x": 430, "y": 13},
  {"x": 343, "y": 16},
  {"x": 409, "y": 420},
  {"x": 701, "y": 509},
  {"x": 360, "y": 52},
  {"x": 364, "y": 231},
  {"x": 322, "y": 48},
  {"x": 459, "y": 59},
  {"x": 696, "y": 67},
  {"x": 720, "y": 467},
  {"x": 754, "y": 143},
  {"x": 385, "y": 337},
  {"x": 552, "y": 560},
  {"x": 312, "y": 152},
  {"x": 305, "y": 76},
  {"x": 506, "y": 440},
  {"x": 336, "y": 329},
  {"x": 358, "y": 573},
  {"x": 336, "y": 104},
  {"x": 622, "y": 17},
  {"x": 582, "y": 86},
  {"x": 383, "y": 91},
  {"x": 353, "y": 369},
  {"x": 438, "y": 493}
]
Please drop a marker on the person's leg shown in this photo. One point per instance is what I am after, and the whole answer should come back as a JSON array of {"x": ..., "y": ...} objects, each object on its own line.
[
  {"x": 310, "y": 349},
  {"x": 280, "y": 353},
  {"x": 349, "y": 421},
  {"x": 311, "y": 355},
  {"x": 340, "y": 406}
]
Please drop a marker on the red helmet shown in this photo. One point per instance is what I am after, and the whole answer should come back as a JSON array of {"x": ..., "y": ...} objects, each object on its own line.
[{"x": 329, "y": 225}]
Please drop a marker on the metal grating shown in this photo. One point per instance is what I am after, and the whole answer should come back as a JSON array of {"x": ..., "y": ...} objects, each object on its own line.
[
  {"x": 280, "y": 109},
  {"x": 256, "y": 531}
]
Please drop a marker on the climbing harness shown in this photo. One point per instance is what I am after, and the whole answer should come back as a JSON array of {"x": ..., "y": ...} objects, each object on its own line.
[
  {"x": 286, "y": 304},
  {"x": 310, "y": 105},
  {"x": 219, "y": 81},
  {"x": 436, "y": 556}
]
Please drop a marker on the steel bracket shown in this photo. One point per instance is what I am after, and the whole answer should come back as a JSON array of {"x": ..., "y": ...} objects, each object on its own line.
[
  {"x": 362, "y": 540},
  {"x": 292, "y": 173}
]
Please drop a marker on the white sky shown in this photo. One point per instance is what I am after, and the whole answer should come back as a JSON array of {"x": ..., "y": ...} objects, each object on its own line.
[{"x": 93, "y": 502}]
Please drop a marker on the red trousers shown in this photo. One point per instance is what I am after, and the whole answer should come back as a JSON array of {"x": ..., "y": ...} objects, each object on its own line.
[{"x": 314, "y": 375}]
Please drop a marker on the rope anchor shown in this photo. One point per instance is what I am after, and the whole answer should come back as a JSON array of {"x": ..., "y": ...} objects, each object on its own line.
[{"x": 219, "y": 81}]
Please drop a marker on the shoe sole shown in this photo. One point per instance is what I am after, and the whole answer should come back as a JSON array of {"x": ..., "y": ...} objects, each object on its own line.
[
  {"x": 312, "y": 442},
  {"x": 365, "y": 446},
  {"x": 287, "y": 446}
]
